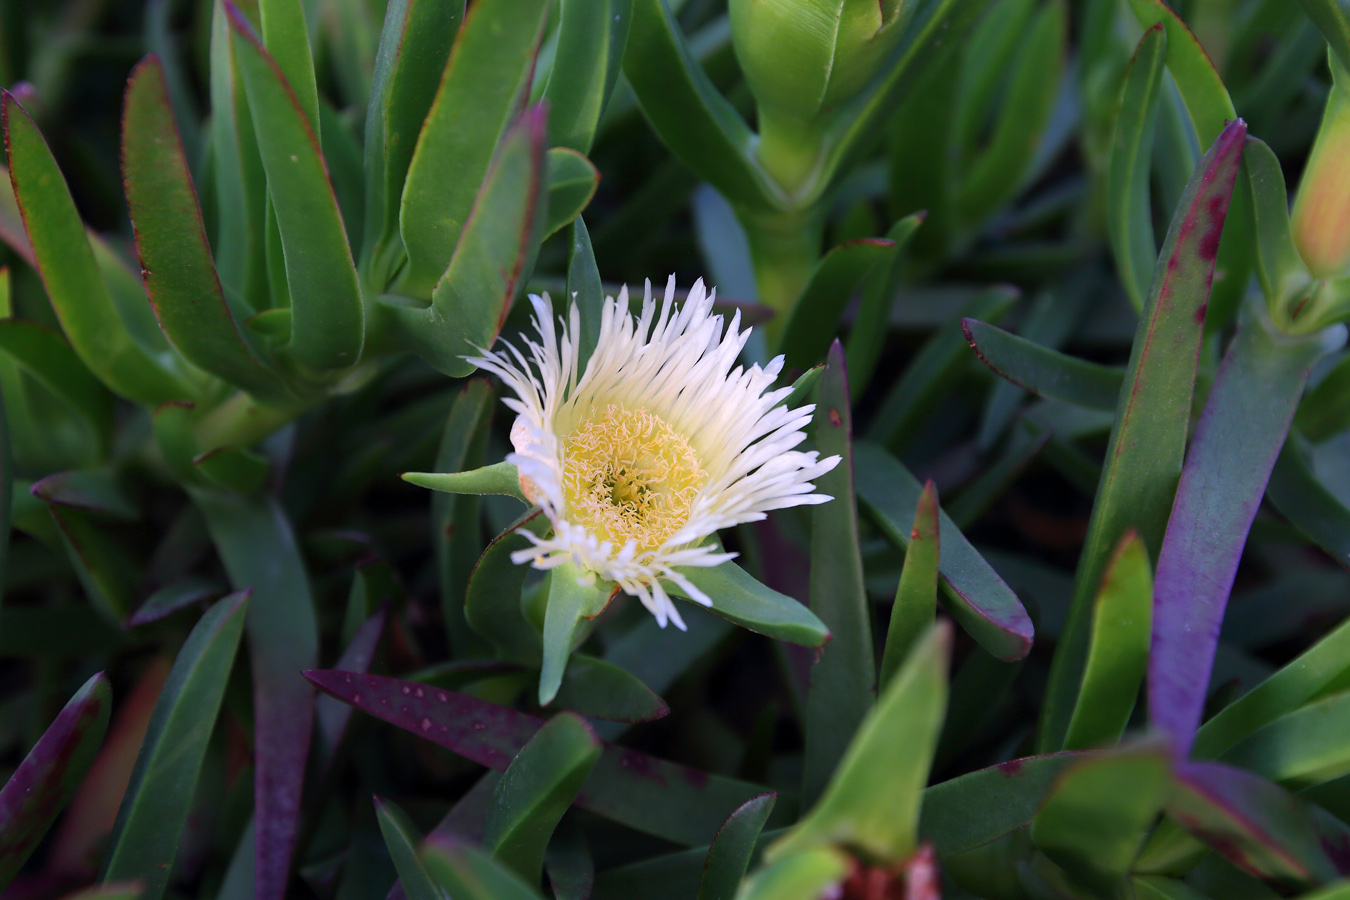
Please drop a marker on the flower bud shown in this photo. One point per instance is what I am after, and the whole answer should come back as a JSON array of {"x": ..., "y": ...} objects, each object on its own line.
[
  {"x": 804, "y": 57},
  {"x": 1321, "y": 216}
]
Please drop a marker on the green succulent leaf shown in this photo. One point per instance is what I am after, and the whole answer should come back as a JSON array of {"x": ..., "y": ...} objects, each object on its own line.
[
  {"x": 465, "y": 872},
  {"x": 153, "y": 813},
  {"x": 572, "y": 180},
  {"x": 592, "y": 36},
  {"x": 806, "y": 337},
  {"x": 535, "y": 791},
  {"x": 485, "y": 81},
  {"x": 402, "y": 840},
  {"x": 916, "y": 595},
  {"x": 1130, "y": 217},
  {"x": 573, "y": 599},
  {"x": 740, "y": 598},
  {"x": 1042, "y": 371},
  {"x": 730, "y": 853}
]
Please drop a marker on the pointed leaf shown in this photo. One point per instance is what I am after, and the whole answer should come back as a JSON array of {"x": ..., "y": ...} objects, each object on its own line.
[
  {"x": 874, "y": 797},
  {"x": 916, "y": 595},
  {"x": 49, "y": 774},
  {"x": 484, "y": 84},
  {"x": 684, "y": 108},
  {"x": 592, "y": 35},
  {"x": 495, "y": 241},
  {"x": 1042, "y": 371},
  {"x": 154, "y": 810},
  {"x": 1227, "y": 467},
  {"x": 974, "y": 593},
  {"x": 535, "y": 791},
  {"x": 843, "y": 678},
  {"x": 1331, "y": 19},
  {"x": 1118, "y": 652},
  {"x": 492, "y": 602},
  {"x": 1309, "y": 506},
  {"x": 570, "y": 603},
  {"x": 1099, "y": 812},
  {"x": 1279, "y": 267},
  {"x": 258, "y": 548},
  {"x": 402, "y": 839},
  {"x": 603, "y": 690},
  {"x": 651, "y": 795},
  {"x": 287, "y": 39},
  {"x": 47, "y": 357},
  {"x": 1306, "y": 747},
  {"x": 731, "y": 851},
  {"x": 180, "y": 275},
  {"x": 234, "y": 469},
  {"x": 498, "y": 478},
  {"x": 66, "y": 263},
  {"x": 867, "y": 338},
  {"x": 740, "y": 598},
  {"x": 1259, "y": 827},
  {"x": 1148, "y": 436},
  {"x": 327, "y": 318},
  {"x": 572, "y": 180},
  {"x": 332, "y": 716}
]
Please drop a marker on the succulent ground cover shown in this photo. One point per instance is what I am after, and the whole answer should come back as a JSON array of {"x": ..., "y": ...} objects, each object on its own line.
[{"x": 692, "y": 449}]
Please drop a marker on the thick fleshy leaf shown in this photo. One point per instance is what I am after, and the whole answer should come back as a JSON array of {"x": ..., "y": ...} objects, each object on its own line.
[
  {"x": 1334, "y": 23},
  {"x": 287, "y": 39},
  {"x": 151, "y": 819},
  {"x": 1308, "y": 746},
  {"x": 1130, "y": 216},
  {"x": 1229, "y": 462},
  {"x": 1279, "y": 267},
  {"x": 592, "y": 35},
  {"x": 327, "y": 316},
  {"x": 571, "y": 603},
  {"x": 1148, "y": 435},
  {"x": 107, "y": 572},
  {"x": 465, "y": 872},
  {"x": 809, "y": 874},
  {"x": 740, "y": 598},
  {"x": 603, "y": 690},
  {"x": 1010, "y": 793},
  {"x": 651, "y": 795},
  {"x": 484, "y": 84},
  {"x": 1118, "y": 650},
  {"x": 1258, "y": 826},
  {"x": 874, "y": 797},
  {"x": 498, "y": 478},
  {"x": 402, "y": 840},
  {"x": 585, "y": 291},
  {"x": 572, "y": 180},
  {"x": 731, "y": 851},
  {"x": 1098, "y": 813},
  {"x": 496, "y": 241},
  {"x": 535, "y": 791},
  {"x": 976, "y": 596},
  {"x": 1042, "y": 371},
  {"x": 843, "y": 679},
  {"x": 1325, "y": 410},
  {"x": 492, "y": 601},
  {"x": 66, "y": 263},
  {"x": 414, "y": 46},
  {"x": 180, "y": 276},
  {"x": 698, "y": 124},
  {"x": 233, "y": 469},
  {"x": 258, "y": 548},
  {"x": 916, "y": 595},
  {"x": 807, "y": 335},
  {"x": 97, "y": 491},
  {"x": 44, "y": 781},
  {"x": 1309, "y": 506},
  {"x": 457, "y": 529},
  {"x": 867, "y": 339}
]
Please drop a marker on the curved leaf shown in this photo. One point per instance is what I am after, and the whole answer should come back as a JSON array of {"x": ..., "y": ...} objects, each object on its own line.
[
  {"x": 402, "y": 840},
  {"x": 572, "y": 180},
  {"x": 916, "y": 594},
  {"x": 535, "y": 791},
  {"x": 49, "y": 774},
  {"x": 740, "y": 598},
  {"x": 815, "y": 316},
  {"x": 1042, "y": 371},
  {"x": 730, "y": 853},
  {"x": 1130, "y": 218},
  {"x": 498, "y": 478},
  {"x": 592, "y": 35},
  {"x": 602, "y": 690},
  {"x": 482, "y": 88},
  {"x": 327, "y": 316},
  {"x": 154, "y": 810}
]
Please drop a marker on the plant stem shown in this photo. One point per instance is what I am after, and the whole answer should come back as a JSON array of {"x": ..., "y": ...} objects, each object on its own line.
[{"x": 784, "y": 249}]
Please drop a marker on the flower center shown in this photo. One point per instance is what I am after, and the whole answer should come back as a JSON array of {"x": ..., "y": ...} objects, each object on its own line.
[{"x": 628, "y": 475}]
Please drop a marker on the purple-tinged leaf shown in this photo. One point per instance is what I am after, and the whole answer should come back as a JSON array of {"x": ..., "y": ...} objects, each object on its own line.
[
  {"x": 258, "y": 548},
  {"x": 44, "y": 781},
  {"x": 331, "y": 715},
  {"x": 662, "y": 798},
  {"x": 1260, "y": 827},
  {"x": 1240, "y": 434},
  {"x": 1148, "y": 437},
  {"x": 173, "y": 597}
]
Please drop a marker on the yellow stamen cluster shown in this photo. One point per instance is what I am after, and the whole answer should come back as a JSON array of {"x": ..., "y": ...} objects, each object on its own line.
[{"x": 627, "y": 475}]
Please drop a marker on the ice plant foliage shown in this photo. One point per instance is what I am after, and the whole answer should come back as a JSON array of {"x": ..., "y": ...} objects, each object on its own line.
[{"x": 663, "y": 440}]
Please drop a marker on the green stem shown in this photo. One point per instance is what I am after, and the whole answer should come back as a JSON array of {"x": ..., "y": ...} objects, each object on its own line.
[{"x": 784, "y": 249}]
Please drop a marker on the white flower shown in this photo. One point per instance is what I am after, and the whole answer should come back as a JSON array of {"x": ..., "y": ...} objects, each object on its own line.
[{"x": 655, "y": 447}]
